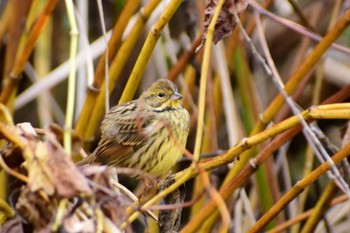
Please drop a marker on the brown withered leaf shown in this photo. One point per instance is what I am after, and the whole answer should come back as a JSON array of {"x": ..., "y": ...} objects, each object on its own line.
[
  {"x": 13, "y": 226},
  {"x": 226, "y": 20},
  {"x": 111, "y": 202},
  {"x": 35, "y": 209},
  {"x": 52, "y": 176},
  {"x": 40, "y": 176},
  {"x": 51, "y": 170},
  {"x": 58, "y": 132},
  {"x": 67, "y": 179}
]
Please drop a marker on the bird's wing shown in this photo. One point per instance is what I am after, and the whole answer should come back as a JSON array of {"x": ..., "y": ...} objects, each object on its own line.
[
  {"x": 110, "y": 152},
  {"x": 125, "y": 123},
  {"x": 122, "y": 133}
]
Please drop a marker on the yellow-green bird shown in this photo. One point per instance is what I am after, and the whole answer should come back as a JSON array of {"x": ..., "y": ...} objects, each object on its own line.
[{"x": 147, "y": 134}]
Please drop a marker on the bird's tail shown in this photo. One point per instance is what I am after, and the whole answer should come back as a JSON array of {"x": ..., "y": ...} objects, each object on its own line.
[{"x": 87, "y": 160}]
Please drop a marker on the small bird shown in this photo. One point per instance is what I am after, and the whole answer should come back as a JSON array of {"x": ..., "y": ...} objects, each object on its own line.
[{"x": 147, "y": 134}]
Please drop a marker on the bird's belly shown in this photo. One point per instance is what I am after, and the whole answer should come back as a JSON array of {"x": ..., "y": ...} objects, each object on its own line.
[
  {"x": 158, "y": 155},
  {"x": 167, "y": 158}
]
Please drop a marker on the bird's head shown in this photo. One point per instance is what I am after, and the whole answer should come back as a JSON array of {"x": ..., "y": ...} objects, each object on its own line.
[{"x": 162, "y": 95}]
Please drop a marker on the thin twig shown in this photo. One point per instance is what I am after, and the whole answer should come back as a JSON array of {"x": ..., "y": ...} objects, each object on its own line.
[
  {"x": 132, "y": 197},
  {"x": 273, "y": 74},
  {"x": 296, "y": 27},
  {"x": 12, "y": 172},
  {"x": 303, "y": 216},
  {"x": 100, "y": 11}
]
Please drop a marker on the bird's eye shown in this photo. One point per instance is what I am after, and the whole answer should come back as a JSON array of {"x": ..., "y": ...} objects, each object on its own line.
[{"x": 161, "y": 94}]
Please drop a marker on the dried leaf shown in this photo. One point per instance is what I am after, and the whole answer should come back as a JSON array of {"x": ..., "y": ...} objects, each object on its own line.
[
  {"x": 58, "y": 132},
  {"x": 52, "y": 176},
  {"x": 12, "y": 226},
  {"x": 67, "y": 179},
  {"x": 226, "y": 20},
  {"x": 34, "y": 208},
  {"x": 26, "y": 130},
  {"x": 109, "y": 201},
  {"x": 51, "y": 170},
  {"x": 40, "y": 176},
  {"x": 73, "y": 224}
]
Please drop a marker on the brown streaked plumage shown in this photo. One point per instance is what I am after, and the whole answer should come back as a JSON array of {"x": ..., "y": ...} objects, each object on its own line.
[{"x": 148, "y": 133}]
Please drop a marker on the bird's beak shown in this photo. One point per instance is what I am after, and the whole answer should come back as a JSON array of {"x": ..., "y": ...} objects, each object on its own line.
[{"x": 176, "y": 96}]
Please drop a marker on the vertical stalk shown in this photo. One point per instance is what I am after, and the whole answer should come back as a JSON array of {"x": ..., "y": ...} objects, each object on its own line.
[{"x": 71, "y": 79}]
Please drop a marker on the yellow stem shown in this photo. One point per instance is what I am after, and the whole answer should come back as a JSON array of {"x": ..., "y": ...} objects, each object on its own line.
[{"x": 146, "y": 52}]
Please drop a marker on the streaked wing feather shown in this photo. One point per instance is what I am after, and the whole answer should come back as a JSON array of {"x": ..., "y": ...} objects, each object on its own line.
[
  {"x": 122, "y": 128},
  {"x": 125, "y": 124},
  {"x": 111, "y": 152}
]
